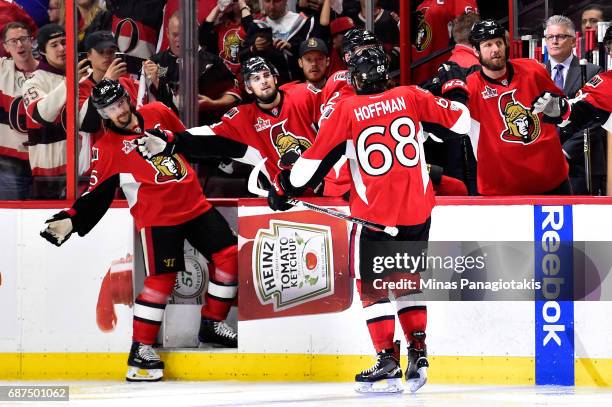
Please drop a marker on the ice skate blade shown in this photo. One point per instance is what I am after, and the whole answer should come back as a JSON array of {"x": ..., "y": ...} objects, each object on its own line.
[
  {"x": 136, "y": 374},
  {"x": 416, "y": 383},
  {"x": 393, "y": 386}
]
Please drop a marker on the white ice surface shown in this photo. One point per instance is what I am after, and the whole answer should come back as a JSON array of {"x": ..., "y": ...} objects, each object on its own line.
[{"x": 174, "y": 394}]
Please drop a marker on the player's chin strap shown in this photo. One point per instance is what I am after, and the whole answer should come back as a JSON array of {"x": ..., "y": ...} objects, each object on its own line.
[{"x": 254, "y": 188}]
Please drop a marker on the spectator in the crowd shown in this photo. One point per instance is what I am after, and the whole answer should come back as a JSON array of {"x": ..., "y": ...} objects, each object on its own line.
[
  {"x": 289, "y": 29},
  {"x": 591, "y": 15},
  {"x": 564, "y": 68},
  {"x": 385, "y": 25},
  {"x": 44, "y": 97},
  {"x": 463, "y": 53},
  {"x": 314, "y": 61},
  {"x": 87, "y": 11},
  {"x": 55, "y": 10},
  {"x": 11, "y": 12},
  {"x": 162, "y": 70},
  {"x": 222, "y": 34},
  {"x": 101, "y": 48},
  {"x": 259, "y": 43},
  {"x": 15, "y": 173},
  {"x": 309, "y": 7}
]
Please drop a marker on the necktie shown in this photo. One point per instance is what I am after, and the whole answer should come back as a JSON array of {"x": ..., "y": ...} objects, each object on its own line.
[{"x": 559, "y": 76}]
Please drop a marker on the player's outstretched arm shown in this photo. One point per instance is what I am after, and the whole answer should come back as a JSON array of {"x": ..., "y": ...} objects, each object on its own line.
[{"x": 164, "y": 142}]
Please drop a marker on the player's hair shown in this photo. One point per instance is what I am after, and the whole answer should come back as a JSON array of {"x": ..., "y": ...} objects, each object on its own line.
[
  {"x": 14, "y": 25},
  {"x": 560, "y": 20},
  {"x": 462, "y": 27}
]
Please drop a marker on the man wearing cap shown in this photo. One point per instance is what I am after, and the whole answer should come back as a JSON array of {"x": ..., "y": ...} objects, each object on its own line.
[
  {"x": 99, "y": 64},
  {"x": 44, "y": 97},
  {"x": 314, "y": 61}
]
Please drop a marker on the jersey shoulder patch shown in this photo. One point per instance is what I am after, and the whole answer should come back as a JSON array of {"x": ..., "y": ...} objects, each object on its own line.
[
  {"x": 231, "y": 113},
  {"x": 313, "y": 89}
]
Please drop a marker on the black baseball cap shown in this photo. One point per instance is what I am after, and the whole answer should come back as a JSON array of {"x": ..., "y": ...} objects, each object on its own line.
[
  {"x": 100, "y": 40},
  {"x": 313, "y": 44},
  {"x": 47, "y": 33}
]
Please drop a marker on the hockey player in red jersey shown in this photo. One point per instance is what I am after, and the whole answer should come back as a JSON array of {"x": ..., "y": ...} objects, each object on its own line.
[
  {"x": 517, "y": 153},
  {"x": 381, "y": 132},
  {"x": 278, "y": 125},
  {"x": 591, "y": 106},
  {"x": 168, "y": 206}
]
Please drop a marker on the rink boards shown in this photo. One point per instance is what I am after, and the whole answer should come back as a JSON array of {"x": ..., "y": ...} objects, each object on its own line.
[{"x": 49, "y": 295}]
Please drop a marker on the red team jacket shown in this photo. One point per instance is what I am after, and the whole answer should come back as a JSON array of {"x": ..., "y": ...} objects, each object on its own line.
[
  {"x": 432, "y": 32},
  {"x": 164, "y": 191},
  {"x": 517, "y": 153},
  {"x": 382, "y": 137}
]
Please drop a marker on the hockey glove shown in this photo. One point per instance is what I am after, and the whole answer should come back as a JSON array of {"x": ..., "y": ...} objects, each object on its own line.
[
  {"x": 156, "y": 142},
  {"x": 59, "y": 228},
  {"x": 280, "y": 191},
  {"x": 452, "y": 78},
  {"x": 554, "y": 108}
]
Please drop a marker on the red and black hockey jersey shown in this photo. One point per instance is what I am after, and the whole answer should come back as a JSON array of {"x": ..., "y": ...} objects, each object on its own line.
[
  {"x": 597, "y": 93},
  {"x": 432, "y": 32},
  {"x": 517, "y": 153},
  {"x": 13, "y": 129},
  {"x": 382, "y": 136},
  {"x": 163, "y": 191}
]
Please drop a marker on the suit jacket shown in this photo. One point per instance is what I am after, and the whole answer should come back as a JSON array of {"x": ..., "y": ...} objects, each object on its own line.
[{"x": 573, "y": 144}]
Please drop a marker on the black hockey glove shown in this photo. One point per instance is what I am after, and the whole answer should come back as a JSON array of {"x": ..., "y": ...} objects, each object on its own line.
[
  {"x": 554, "y": 108},
  {"x": 59, "y": 228},
  {"x": 156, "y": 142},
  {"x": 280, "y": 192},
  {"x": 452, "y": 78}
]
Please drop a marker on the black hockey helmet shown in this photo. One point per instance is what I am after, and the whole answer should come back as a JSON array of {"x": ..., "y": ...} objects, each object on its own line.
[
  {"x": 486, "y": 30},
  {"x": 254, "y": 65},
  {"x": 107, "y": 92},
  {"x": 369, "y": 68},
  {"x": 357, "y": 37}
]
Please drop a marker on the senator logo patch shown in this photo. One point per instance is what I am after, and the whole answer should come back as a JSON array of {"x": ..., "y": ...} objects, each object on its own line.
[
  {"x": 488, "y": 93},
  {"x": 169, "y": 169},
  {"x": 128, "y": 146},
  {"x": 288, "y": 146},
  {"x": 423, "y": 31},
  {"x": 292, "y": 264},
  {"x": 262, "y": 124},
  {"x": 231, "y": 113},
  {"x": 521, "y": 125}
]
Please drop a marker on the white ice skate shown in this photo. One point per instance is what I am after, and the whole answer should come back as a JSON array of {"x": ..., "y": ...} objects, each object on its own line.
[{"x": 416, "y": 374}]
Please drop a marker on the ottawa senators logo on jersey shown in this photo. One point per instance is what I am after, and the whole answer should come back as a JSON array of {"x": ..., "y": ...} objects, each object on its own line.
[
  {"x": 521, "y": 125},
  {"x": 423, "y": 31},
  {"x": 595, "y": 81},
  {"x": 169, "y": 169},
  {"x": 231, "y": 46},
  {"x": 288, "y": 145}
]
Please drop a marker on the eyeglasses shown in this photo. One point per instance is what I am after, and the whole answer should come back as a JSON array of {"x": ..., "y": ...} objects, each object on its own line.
[
  {"x": 558, "y": 37},
  {"x": 26, "y": 39}
]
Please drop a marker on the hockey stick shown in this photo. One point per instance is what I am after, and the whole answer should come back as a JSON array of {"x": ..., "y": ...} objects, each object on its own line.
[
  {"x": 257, "y": 190},
  {"x": 586, "y": 137}
]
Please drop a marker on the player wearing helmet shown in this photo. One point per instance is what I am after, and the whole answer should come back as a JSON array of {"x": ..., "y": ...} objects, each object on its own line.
[
  {"x": 517, "y": 153},
  {"x": 168, "y": 206}
]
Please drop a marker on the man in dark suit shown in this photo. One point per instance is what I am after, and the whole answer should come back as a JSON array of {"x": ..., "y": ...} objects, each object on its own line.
[{"x": 564, "y": 68}]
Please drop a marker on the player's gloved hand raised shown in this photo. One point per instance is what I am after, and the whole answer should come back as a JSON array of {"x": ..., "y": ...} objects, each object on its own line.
[
  {"x": 155, "y": 142},
  {"x": 452, "y": 78},
  {"x": 59, "y": 228},
  {"x": 553, "y": 107},
  {"x": 278, "y": 193}
]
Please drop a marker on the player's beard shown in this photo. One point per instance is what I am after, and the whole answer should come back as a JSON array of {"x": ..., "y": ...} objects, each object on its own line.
[
  {"x": 267, "y": 100},
  {"x": 494, "y": 64},
  {"x": 124, "y": 120}
]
